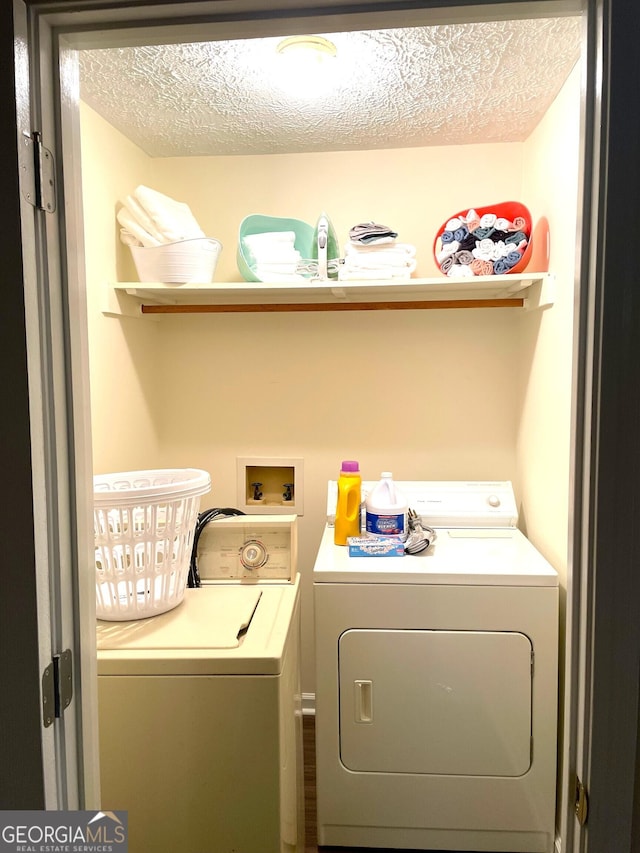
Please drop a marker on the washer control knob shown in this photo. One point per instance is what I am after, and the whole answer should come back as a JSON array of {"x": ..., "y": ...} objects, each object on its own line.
[
  {"x": 253, "y": 554},
  {"x": 493, "y": 500}
]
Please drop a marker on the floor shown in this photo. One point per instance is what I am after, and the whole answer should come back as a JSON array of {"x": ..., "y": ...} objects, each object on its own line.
[{"x": 311, "y": 839}]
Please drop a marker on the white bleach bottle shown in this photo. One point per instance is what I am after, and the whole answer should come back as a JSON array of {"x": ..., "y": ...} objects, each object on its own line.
[{"x": 386, "y": 509}]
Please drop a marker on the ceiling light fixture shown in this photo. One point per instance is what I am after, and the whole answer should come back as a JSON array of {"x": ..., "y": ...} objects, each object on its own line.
[
  {"x": 311, "y": 44},
  {"x": 305, "y": 66}
]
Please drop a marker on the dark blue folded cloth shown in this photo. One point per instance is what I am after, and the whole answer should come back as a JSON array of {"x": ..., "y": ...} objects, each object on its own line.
[
  {"x": 500, "y": 267},
  {"x": 447, "y": 237},
  {"x": 460, "y": 233}
]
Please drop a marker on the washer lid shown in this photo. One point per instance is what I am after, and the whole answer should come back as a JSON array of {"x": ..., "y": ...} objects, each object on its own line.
[
  {"x": 209, "y": 621},
  {"x": 221, "y": 630}
]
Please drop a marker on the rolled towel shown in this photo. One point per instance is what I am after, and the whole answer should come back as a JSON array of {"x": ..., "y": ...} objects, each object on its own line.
[
  {"x": 516, "y": 237},
  {"x": 447, "y": 236},
  {"x": 483, "y": 249},
  {"x": 448, "y": 249},
  {"x": 483, "y": 232},
  {"x": 502, "y": 224},
  {"x": 460, "y": 271},
  {"x": 488, "y": 220},
  {"x": 479, "y": 267},
  {"x": 463, "y": 258},
  {"x": 468, "y": 243},
  {"x": 519, "y": 223},
  {"x": 453, "y": 224},
  {"x": 446, "y": 265},
  {"x": 500, "y": 249},
  {"x": 500, "y": 267},
  {"x": 512, "y": 259},
  {"x": 461, "y": 233}
]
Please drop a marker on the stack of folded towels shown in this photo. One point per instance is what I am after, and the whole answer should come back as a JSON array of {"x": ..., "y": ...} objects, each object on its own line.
[
  {"x": 373, "y": 253},
  {"x": 273, "y": 256},
  {"x": 149, "y": 218},
  {"x": 481, "y": 245}
]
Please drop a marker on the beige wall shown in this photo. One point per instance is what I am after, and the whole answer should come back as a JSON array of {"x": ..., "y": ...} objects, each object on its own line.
[
  {"x": 550, "y": 187},
  {"x": 124, "y": 381},
  {"x": 426, "y": 394}
]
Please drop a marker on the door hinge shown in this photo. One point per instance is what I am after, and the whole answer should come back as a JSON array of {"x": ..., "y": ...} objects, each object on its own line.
[
  {"x": 57, "y": 687},
  {"x": 581, "y": 803},
  {"x": 37, "y": 172}
]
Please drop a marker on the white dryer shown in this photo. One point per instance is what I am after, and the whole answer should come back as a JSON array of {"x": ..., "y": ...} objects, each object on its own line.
[
  {"x": 436, "y": 683},
  {"x": 200, "y": 708}
]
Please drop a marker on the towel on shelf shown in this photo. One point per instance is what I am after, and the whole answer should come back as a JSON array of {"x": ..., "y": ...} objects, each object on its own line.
[
  {"x": 488, "y": 244},
  {"x": 372, "y": 252},
  {"x": 371, "y": 232},
  {"x": 133, "y": 233},
  {"x": 149, "y": 218},
  {"x": 173, "y": 219},
  {"x": 273, "y": 256}
]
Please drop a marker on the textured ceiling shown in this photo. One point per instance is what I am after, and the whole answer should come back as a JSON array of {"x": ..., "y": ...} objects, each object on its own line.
[{"x": 440, "y": 85}]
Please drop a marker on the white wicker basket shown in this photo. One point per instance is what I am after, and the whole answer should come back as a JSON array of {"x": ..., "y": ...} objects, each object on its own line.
[
  {"x": 144, "y": 524},
  {"x": 185, "y": 262}
]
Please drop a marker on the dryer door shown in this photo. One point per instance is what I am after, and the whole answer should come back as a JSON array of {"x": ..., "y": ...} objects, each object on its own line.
[{"x": 435, "y": 702}]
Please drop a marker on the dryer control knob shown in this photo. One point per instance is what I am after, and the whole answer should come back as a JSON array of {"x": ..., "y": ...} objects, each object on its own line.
[
  {"x": 493, "y": 500},
  {"x": 253, "y": 554}
]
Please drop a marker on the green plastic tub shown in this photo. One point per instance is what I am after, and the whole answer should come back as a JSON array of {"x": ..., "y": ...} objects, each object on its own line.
[{"x": 257, "y": 223}]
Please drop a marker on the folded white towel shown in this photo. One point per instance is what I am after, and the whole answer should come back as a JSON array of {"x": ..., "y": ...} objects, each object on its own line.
[
  {"x": 173, "y": 219},
  {"x": 269, "y": 237},
  {"x": 275, "y": 268},
  {"x": 273, "y": 254},
  {"x": 132, "y": 227},
  {"x": 380, "y": 263},
  {"x": 142, "y": 218},
  {"x": 128, "y": 238},
  {"x": 354, "y": 248}
]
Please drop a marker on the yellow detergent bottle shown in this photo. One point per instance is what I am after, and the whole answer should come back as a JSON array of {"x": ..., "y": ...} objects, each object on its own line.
[{"x": 347, "y": 521}]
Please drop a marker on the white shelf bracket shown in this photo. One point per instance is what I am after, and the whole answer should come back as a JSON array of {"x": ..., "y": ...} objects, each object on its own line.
[
  {"x": 542, "y": 294},
  {"x": 117, "y": 303}
]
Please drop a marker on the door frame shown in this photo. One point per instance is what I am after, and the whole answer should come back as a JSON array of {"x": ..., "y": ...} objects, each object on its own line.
[{"x": 604, "y": 364}]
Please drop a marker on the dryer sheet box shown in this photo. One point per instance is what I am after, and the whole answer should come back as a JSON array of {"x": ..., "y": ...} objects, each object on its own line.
[{"x": 374, "y": 546}]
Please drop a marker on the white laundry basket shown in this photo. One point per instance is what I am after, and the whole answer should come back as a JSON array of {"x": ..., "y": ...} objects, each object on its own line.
[
  {"x": 184, "y": 262},
  {"x": 144, "y": 524}
]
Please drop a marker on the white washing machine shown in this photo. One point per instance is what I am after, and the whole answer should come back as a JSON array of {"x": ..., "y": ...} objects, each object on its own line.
[
  {"x": 436, "y": 683},
  {"x": 200, "y": 707}
]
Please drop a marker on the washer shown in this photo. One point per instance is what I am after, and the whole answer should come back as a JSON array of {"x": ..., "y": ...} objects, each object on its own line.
[
  {"x": 200, "y": 707},
  {"x": 436, "y": 683}
]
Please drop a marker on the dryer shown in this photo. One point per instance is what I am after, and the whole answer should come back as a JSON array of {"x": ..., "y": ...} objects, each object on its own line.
[
  {"x": 436, "y": 683},
  {"x": 200, "y": 707}
]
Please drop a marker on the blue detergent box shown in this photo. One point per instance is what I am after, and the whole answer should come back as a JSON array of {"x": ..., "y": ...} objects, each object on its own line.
[{"x": 374, "y": 546}]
